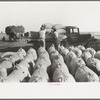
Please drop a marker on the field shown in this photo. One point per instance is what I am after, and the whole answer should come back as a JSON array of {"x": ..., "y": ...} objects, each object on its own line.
[
  {"x": 13, "y": 46},
  {"x": 95, "y": 34}
]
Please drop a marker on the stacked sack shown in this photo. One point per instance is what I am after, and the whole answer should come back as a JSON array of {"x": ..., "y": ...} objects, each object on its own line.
[
  {"x": 59, "y": 28},
  {"x": 67, "y": 64},
  {"x": 59, "y": 70},
  {"x": 81, "y": 63},
  {"x": 40, "y": 69},
  {"x": 17, "y": 65},
  {"x": 48, "y": 27}
]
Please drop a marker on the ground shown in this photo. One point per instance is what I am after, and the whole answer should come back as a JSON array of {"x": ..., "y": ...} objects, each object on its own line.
[{"x": 13, "y": 46}]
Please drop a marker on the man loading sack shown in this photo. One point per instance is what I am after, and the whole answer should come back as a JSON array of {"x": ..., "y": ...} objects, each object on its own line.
[
  {"x": 58, "y": 39},
  {"x": 42, "y": 33}
]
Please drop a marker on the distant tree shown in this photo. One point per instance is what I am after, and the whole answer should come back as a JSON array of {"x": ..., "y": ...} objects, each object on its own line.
[
  {"x": 13, "y": 30},
  {"x": 20, "y": 29},
  {"x": 9, "y": 32}
]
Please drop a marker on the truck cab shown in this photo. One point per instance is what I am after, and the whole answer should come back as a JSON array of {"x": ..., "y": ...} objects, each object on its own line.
[
  {"x": 72, "y": 34},
  {"x": 74, "y": 37}
]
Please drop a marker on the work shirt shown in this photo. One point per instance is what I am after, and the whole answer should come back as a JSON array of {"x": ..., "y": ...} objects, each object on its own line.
[
  {"x": 56, "y": 34},
  {"x": 42, "y": 34}
]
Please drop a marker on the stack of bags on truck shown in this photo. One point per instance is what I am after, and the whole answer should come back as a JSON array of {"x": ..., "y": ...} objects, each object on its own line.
[{"x": 50, "y": 28}]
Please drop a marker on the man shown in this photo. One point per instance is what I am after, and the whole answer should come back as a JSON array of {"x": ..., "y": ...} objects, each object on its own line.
[
  {"x": 56, "y": 41},
  {"x": 58, "y": 38},
  {"x": 42, "y": 33}
]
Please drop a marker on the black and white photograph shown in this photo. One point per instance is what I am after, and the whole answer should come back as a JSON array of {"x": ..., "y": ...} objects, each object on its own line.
[{"x": 56, "y": 43}]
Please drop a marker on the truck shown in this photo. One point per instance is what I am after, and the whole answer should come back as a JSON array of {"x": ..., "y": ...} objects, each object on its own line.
[{"x": 73, "y": 37}]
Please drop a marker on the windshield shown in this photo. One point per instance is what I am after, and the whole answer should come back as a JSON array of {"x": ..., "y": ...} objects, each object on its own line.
[{"x": 75, "y": 30}]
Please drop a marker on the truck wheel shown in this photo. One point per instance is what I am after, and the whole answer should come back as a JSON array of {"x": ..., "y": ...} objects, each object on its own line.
[{"x": 92, "y": 44}]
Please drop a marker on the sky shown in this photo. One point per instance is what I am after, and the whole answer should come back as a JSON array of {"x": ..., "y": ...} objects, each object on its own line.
[{"x": 83, "y": 14}]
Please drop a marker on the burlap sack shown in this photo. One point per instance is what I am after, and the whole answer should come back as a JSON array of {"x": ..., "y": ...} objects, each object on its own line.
[
  {"x": 75, "y": 63},
  {"x": 97, "y": 55},
  {"x": 47, "y": 25},
  {"x": 39, "y": 75},
  {"x": 94, "y": 64},
  {"x": 77, "y": 51},
  {"x": 70, "y": 55},
  {"x": 84, "y": 74},
  {"x": 16, "y": 76},
  {"x": 61, "y": 76},
  {"x": 57, "y": 26}
]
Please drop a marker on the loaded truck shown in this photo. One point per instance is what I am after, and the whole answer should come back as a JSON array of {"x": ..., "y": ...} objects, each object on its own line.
[{"x": 73, "y": 37}]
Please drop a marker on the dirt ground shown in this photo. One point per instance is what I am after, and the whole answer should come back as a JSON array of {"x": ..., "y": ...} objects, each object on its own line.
[{"x": 14, "y": 46}]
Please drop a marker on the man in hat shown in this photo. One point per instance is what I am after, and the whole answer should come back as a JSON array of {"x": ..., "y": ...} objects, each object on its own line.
[
  {"x": 42, "y": 33},
  {"x": 56, "y": 41},
  {"x": 58, "y": 38}
]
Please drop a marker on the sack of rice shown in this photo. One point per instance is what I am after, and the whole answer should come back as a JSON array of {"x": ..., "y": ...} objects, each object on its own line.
[
  {"x": 49, "y": 31},
  {"x": 61, "y": 31},
  {"x": 42, "y": 63},
  {"x": 59, "y": 64},
  {"x": 64, "y": 52},
  {"x": 70, "y": 48},
  {"x": 70, "y": 55},
  {"x": 97, "y": 55},
  {"x": 51, "y": 49},
  {"x": 77, "y": 51},
  {"x": 75, "y": 63},
  {"x": 3, "y": 74},
  {"x": 54, "y": 55},
  {"x": 86, "y": 55},
  {"x": 61, "y": 76},
  {"x": 81, "y": 47},
  {"x": 23, "y": 51},
  {"x": 84, "y": 74},
  {"x": 47, "y": 25},
  {"x": 92, "y": 51},
  {"x": 57, "y": 26},
  {"x": 39, "y": 75},
  {"x": 16, "y": 76},
  {"x": 94, "y": 64}
]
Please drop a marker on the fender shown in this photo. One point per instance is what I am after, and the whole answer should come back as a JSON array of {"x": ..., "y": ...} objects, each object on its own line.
[{"x": 89, "y": 40}]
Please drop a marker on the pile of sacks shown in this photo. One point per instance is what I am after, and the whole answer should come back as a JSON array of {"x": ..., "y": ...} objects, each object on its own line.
[
  {"x": 17, "y": 66},
  {"x": 82, "y": 63},
  {"x": 50, "y": 28},
  {"x": 67, "y": 64}
]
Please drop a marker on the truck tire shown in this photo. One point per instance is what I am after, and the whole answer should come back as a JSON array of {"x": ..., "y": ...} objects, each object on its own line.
[{"x": 92, "y": 44}]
